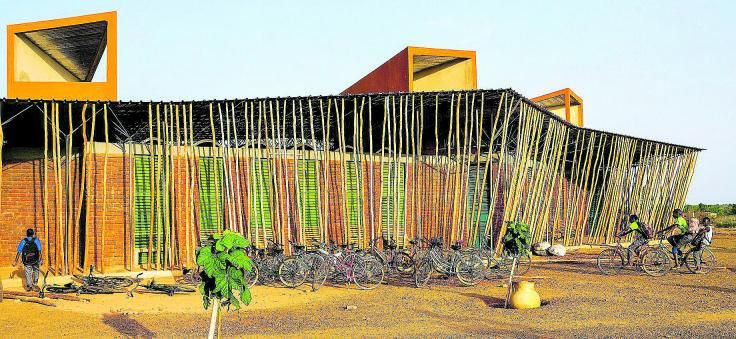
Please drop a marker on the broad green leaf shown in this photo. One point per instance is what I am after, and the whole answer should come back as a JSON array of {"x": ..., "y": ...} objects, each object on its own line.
[
  {"x": 240, "y": 260},
  {"x": 219, "y": 246},
  {"x": 241, "y": 242},
  {"x": 245, "y": 296},
  {"x": 229, "y": 239}
]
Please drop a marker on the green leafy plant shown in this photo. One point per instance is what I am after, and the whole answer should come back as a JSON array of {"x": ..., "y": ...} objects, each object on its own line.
[
  {"x": 517, "y": 240},
  {"x": 224, "y": 263}
]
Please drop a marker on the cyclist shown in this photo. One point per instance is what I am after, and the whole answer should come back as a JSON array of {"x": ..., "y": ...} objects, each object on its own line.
[
  {"x": 642, "y": 238},
  {"x": 704, "y": 236},
  {"x": 678, "y": 240}
]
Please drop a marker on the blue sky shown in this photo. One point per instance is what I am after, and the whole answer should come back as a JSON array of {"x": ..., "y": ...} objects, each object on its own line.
[{"x": 663, "y": 70}]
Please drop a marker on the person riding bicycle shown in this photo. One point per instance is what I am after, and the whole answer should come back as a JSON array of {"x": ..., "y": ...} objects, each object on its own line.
[
  {"x": 679, "y": 240},
  {"x": 704, "y": 236},
  {"x": 29, "y": 250},
  {"x": 642, "y": 237}
]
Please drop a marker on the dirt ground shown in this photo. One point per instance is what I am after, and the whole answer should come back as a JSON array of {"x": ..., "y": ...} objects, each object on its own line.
[{"x": 578, "y": 301}]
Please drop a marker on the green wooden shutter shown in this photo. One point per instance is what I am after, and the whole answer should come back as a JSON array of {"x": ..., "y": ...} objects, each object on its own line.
[
  {"x": 309, "y": 199},
  {"x": 260, "y": 208},
  {"x": 393, "y": 196},
  {"x": 354, "y": 206},
  {"x": 142, "y": 207},
  {"x": 209, "y": 220},
  {"x": 475, "y": 175}
]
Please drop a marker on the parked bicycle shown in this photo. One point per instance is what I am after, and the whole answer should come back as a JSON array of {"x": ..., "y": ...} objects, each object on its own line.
[
  {"x": 498, "y": 266},
  {"x": 266, "y": 263},
  {"x": 156, "y": 288},
  {"x": 88, "y": 285},
  {"x": 190, "y": 276},
  {"x": 342, "y": 265},
  {"x": 393, "y": 260},
  {"x": 467, "y": 266},
  {"x": 104, "y": 281},
  {"x": 295, "y": 270}
]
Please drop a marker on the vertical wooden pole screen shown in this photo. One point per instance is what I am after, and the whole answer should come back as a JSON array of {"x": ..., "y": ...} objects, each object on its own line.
[{"x": 455, "y": 165}]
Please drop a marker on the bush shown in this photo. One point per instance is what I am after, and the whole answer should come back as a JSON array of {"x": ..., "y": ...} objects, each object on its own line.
[
  {"x": 725, "y": 221},
  {"x": 224, "y": 262},
  {"x": 517, "y": 239}
]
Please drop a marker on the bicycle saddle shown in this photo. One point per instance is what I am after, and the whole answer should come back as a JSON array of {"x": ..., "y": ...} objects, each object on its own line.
[
  {"x": 300, "y": 247},
  {"x": 455, "y": 247},
  {"x": 275, "y": 251}
]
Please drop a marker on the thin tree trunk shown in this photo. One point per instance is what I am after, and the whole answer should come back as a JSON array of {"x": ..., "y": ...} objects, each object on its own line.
[{"x": 213, "y": 320}]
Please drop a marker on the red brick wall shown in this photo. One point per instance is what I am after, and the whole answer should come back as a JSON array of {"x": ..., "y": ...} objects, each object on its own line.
[
  {"x": 22, "y": 208},
  {"x": 111, "y": 248}
]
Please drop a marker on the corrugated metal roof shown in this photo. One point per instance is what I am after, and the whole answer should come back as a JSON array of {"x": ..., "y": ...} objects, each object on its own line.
[{"x": 77, "y": 48}]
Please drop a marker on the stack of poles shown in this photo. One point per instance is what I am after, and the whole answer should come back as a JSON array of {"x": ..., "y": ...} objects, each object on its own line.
[{"x": 573, "y": 186}]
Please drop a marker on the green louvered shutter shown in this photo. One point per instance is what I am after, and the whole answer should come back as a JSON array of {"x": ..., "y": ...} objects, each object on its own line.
[
  {"x": 210, "y": 221},
  {"x": 354, "y": 206},
  {"x": 260, "y": 208},
  {"x": 475, "y": 211},
  {"x": 308, "y": 199},
  {"x": 142, "y": 208},
  {"x": 393, "y": 196}
]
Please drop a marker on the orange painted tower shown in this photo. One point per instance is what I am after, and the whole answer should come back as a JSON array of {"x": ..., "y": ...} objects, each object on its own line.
[
  {"x": 418, "y": 69},
  {"x": 58, "y": 59},
  {"x": 565, "y": 104}
]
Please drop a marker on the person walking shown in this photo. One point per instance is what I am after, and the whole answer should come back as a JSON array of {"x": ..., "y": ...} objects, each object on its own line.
[{"x": 29, "y": 250}]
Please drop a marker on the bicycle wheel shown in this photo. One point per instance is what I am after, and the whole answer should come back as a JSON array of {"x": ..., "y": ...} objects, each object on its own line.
[
  {"x": 320, "y": 271},
  {"x": 117, "y": 282},
  {"x": 88, "y": 289},
  {"x": 700, "y": 262},
  {"x": 469, "y": 269},
  {"x": 491, "y": 268},
  {"x": 251, "y": 277},
  {"x": 422, "y": 272},
  {"x": 367, "y": 273},
  {"x": 655, "y": 263},
  {"x": 292, "y": 272},
  {"x": 404, "y": 263},
  {"x": 610, "y": 261}
]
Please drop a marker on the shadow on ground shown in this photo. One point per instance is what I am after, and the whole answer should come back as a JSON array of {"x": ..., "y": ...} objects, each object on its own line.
[{"x": 126, "y": 326}]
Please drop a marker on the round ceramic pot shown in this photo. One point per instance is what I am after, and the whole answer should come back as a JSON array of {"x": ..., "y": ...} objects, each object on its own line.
[{"x": 525, "y": 296}]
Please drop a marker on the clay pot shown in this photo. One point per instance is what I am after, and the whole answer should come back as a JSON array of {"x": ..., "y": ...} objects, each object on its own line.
[{"x": 525, "y": 296}]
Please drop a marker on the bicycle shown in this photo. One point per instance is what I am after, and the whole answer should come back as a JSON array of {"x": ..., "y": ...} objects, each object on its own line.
[
  {"x": 295, "y": 270},
  {"x": 190, "y": 276},
  {"x": 193, "y": 276},
  {"x": 467, "y": 266},
  {"x": 614, "y": 258},
  {"x": 266, "y": 263},
  {"x": 168, "y": 289},
  {"x": 103, "y": 281},
  {"x": 342, "y": 265},
  {"x": 697, "y": 259},
  {"x": 72, "y": 288},
  {"x": 392, "y": 259},
  {"x": 498, "y": 267}
]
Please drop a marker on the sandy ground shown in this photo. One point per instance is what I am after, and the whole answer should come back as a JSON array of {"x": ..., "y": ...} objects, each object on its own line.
[{"x": 578, "y": 301}]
